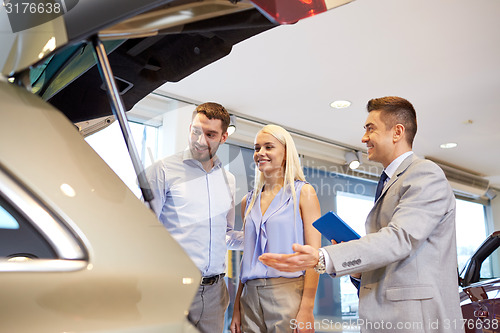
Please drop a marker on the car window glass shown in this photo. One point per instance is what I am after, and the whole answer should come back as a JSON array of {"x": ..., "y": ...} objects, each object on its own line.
[
  {"x": 487, "y": 271},
  {"x": 18, "y": 237},
  {"x": 7, "y": 221}
]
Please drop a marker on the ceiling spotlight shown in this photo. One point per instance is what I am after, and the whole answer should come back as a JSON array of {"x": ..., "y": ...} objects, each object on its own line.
[
  {"x": 353, "y": 159},
  {"x": 340, "y": 104},
  {"x": 448, "y": 145},
  {"x": 232, "y": 125}
]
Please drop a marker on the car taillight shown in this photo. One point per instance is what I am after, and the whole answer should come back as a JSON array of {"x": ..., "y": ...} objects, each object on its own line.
[{"x": 291, "y": 11}]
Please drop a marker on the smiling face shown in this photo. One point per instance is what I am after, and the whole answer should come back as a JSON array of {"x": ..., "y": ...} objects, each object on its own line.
[
  {"x": 378, "y": 139},
  {"x": 205, "y": 137},
  {"x": 269, "y": 154}
]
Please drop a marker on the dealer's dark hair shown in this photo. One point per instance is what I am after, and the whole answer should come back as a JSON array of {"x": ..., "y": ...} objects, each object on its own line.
[
  {"x": 396, "y": 110},
  {"x": 214, "y": 111}
]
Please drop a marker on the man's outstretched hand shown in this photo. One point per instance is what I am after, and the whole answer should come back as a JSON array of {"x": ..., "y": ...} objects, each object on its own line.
[{"x": 305, "y": 257}]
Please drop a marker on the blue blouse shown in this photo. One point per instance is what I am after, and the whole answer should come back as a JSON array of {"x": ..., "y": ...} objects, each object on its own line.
[{"x": 273, "y": 232}]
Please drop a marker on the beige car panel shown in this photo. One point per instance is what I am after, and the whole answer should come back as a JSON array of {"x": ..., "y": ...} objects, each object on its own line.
[
  {"x": 150, "y": 23},
  {"x": 25, "y": 48},
  {"x": 137, "y": 277}
]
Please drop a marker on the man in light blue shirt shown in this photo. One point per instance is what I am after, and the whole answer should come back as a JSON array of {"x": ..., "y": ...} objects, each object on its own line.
[{"x": 194, "y": 199}]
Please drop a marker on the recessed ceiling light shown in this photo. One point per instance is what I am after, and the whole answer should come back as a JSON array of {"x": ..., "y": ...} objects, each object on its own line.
[
  {"x": 448, "y": 145},
  {"x": 353, "y": 159},
  {"x": 232, "y": 125},
  {"x": 340, "y": 104}
]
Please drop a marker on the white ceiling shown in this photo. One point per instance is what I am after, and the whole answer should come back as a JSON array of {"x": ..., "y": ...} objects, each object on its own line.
[{"x": 442, "y": 55}]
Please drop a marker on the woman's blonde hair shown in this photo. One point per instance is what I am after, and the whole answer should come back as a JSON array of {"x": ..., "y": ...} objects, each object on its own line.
[{"x": 293, "y": 170}]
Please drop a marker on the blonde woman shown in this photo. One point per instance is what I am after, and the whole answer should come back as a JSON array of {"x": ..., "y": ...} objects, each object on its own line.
[{"x": 277, "y": 213}]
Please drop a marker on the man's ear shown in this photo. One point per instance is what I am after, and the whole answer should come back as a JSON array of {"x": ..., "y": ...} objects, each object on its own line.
[
  {"x": 398, "y": 133},
  {"x": 224, "y": 137}
]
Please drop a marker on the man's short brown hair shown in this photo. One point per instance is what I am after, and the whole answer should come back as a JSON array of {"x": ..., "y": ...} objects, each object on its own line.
[
  {"x": 214, "y": 111},
  {"x": 396, "y": 110}
]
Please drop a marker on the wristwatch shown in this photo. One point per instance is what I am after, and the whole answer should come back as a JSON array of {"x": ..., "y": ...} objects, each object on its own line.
[{"x": 320, "y": 267}]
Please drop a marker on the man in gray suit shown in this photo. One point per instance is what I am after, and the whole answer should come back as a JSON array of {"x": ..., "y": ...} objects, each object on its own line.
[{"x": 408, "y": 258}]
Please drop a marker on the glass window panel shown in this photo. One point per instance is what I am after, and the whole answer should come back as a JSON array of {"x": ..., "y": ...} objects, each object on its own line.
[
  {"x": 353, "y": 209},
  {"x": 471, "y": 232},
  {"x": 110, "y": 145}
]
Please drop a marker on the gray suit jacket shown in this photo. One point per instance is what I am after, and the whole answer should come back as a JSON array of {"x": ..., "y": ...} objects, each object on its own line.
[{"x": 408, "y": 257}]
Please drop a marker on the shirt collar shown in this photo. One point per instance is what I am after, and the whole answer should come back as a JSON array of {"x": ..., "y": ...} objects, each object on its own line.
[
  {"x": 391, "y": 168},
  {"x": 188, "y": 156}
]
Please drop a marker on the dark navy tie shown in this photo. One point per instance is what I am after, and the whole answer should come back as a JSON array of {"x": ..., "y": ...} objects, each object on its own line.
[{"x": 380, "y": 185}]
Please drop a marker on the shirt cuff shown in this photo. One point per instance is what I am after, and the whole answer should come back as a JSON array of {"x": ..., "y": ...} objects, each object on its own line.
[{"x": 328, "y": 262}]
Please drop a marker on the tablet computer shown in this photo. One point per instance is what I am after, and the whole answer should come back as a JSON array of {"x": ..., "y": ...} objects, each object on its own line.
[{"x": 332, "y": 227}]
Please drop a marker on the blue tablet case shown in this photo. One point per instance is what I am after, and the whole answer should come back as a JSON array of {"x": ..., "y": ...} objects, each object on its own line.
[{"x": 332, "y": 227}]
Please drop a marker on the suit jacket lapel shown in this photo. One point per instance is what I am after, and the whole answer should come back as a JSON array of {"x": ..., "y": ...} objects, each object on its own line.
[{"x": 399, "y": 171}]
